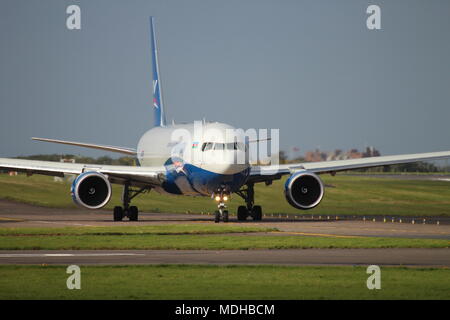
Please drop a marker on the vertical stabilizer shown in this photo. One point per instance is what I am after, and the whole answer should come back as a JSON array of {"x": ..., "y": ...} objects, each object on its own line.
[{"x": 160, "y": 118}]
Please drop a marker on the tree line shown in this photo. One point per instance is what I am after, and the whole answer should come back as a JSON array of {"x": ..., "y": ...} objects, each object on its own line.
[{"x": 123, "y": 161}]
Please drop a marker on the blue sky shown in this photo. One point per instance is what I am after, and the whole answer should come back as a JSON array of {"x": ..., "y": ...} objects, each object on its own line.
[{"x": 310, "y": 68}]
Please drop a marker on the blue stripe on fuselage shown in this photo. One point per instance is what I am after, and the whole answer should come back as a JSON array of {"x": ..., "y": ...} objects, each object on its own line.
[{"x": 185, "y": 178}]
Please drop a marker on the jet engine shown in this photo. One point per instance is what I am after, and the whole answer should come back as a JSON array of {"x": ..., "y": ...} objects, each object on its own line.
[
  {"x": 91, "y": 190},
  {"x": 303, "y": 190}
]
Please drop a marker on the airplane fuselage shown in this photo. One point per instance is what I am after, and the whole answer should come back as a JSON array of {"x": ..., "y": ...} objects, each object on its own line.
[{"x": 199, "y": 161}]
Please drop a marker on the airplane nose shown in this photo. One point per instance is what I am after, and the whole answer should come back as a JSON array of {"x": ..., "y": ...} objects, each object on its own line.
[
  {"x": 230, "y": 168},
  {"x": 226, "y": 163}
]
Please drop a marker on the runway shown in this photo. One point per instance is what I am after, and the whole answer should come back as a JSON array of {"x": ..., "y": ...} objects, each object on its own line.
[
  {"x": 297, "y": 257},
  {"x": 15, "y": 215}
]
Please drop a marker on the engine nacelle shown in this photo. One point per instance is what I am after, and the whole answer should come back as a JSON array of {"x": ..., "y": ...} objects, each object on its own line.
[
  {"x": 304, "y": 190},
  {"x": 91, "y": 190}
]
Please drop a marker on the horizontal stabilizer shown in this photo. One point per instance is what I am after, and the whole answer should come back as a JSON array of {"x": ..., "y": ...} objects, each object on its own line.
[{"x": 128, "y": 151}]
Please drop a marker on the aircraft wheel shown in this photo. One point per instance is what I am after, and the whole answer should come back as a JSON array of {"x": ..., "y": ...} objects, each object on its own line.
[
  {"x": 225, "y": 216},
  {"x": 217, "y": 217},
  {"x": 257, "y": 213},
  {"x": 118, "y": 213},
  {"x": 133, "y": 213},
  {"x": 242, "y": 213}
]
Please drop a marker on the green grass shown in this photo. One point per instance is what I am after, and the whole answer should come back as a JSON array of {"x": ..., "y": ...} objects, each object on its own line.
[
  {"x": 166, "y": 229},
  {"x": 403, "y": 173},
  {"x": 183, "y": 237},
  {"x": 349, "y": 195},
  {"x": 222, "y": 282}
]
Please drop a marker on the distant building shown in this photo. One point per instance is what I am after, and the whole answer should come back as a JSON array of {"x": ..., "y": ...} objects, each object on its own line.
[
  {"x": 371, "y": 152},
  {"x": 314, "y": 156}
]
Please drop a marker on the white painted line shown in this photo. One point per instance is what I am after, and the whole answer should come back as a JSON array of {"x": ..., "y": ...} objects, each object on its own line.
[
  {"x": 34, "y": 255},
  {"x": 67, "y": 223},
  {"x": 58, "y": 255}
]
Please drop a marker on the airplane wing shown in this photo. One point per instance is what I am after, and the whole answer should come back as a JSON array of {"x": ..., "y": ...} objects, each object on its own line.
[
  {"x": 268, "y": 173},
  {"x": 136, "y": 176},
  {"x": 128, "y": 151}
]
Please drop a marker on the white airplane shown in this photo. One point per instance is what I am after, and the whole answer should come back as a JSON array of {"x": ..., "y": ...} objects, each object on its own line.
[{"x": 169, "y": 172}]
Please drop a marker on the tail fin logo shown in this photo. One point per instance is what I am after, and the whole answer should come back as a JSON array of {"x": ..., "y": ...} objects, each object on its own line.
[
  {"x": 155, "y": 99},
  {"x": 158, "y": 103}
]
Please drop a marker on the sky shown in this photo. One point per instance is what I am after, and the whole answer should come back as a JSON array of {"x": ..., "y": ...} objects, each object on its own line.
[{"x": 309, "y": 68}]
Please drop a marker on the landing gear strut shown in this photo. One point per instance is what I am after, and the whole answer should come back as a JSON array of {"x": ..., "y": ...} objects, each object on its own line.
[
  {"x": 221, "y": 213},
  {"x": 221, "y": 196},
  {"x": 128, "y": 211},
  {"x": 250, "y": 209}
]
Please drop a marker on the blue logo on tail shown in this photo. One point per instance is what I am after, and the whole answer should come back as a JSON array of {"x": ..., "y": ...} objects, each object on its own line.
[{"x": 160, "y": 119}]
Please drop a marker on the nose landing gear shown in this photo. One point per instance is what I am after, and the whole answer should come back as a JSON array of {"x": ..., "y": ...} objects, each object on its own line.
[{"x": 221, "y": 213}]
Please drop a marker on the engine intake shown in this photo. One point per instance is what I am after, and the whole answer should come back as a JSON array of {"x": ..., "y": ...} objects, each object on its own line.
[
  {"x": 91, "y": 190},
  {"x": 304, "y": 190}
]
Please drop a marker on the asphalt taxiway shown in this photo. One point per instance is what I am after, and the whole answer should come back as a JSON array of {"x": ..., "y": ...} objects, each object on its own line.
[
  {"x": 13, "y": 215},
  {"x": 300, "y": 257},
  {"x": 17, "y": 215}
]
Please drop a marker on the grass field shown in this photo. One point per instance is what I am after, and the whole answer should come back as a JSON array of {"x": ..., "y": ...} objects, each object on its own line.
[
  {"x": 347, "y": 195},
  {"x": 166, "y": 229},
  {"x": 184, "y": 237},
  {"x": 222, "y": 282}
]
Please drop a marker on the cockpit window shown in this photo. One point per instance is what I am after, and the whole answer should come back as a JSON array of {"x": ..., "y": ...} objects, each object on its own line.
[
  {"x": 207, "y": 146},
  {"x": 223, "y": 146},
  {"x": 230, "y": 146},
  {"x": 235, "y": 146},
  {"x": 219, "y": 146}
]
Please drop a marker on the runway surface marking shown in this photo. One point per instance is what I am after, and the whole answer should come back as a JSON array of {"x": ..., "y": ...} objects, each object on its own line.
[
  {"x": 316, "y": 234},
  {"x": 67, "y": 223},
  {"x": 11, "y": 219},
  {"x": 36, "y": 255},
  {"x": 365, "y": 229},
  {"x": 380, "y": 230},
  {"x": 300, "y": 257}
]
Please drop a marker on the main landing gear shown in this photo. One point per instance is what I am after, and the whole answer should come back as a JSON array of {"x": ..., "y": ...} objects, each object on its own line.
[
  {"x": 131, "y": 212},
  {"x": 250, "y": 210}
]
